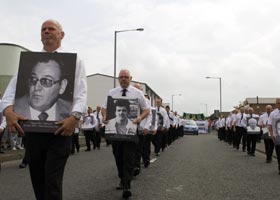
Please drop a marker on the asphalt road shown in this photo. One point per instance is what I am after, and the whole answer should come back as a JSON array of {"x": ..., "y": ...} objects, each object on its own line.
[{"x": 193, "y": 168}]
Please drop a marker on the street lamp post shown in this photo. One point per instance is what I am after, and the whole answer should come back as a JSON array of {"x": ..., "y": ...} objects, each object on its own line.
[
  {"x": 206, "y": 108},
  {"x": 220, "y": 78},
  {"x": 115, "y": 49},
  {"x": 172, "y": 99}
]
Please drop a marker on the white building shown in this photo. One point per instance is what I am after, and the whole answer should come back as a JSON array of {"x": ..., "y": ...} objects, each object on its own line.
[
  {"x": 9, "y": 62},
  {"x": 100, "y": 84}
]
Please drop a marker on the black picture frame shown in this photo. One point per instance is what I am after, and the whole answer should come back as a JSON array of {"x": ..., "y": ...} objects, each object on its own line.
[{"x": 60, "y": 105}]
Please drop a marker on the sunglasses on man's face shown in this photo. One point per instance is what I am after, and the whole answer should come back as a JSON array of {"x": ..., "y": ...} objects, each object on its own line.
[{"x": 45, "y": 82}]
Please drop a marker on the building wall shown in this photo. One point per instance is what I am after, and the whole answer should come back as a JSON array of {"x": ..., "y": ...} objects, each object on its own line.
[
  {"x": 9, "y": 62},
  {"x": 99, "y": 86}
]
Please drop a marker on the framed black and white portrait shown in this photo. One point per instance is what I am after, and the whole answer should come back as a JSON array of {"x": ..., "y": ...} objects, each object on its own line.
[
  {"x": 44, "y": 91},
  {"x": 121, "y": 113},
  {"x": 252, "y": 125}
]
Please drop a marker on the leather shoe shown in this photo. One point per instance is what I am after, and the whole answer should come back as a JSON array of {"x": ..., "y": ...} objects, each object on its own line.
[
  {"x": 146, "y": 164},
  {"x": 136, "y": 171},
  {"x": 87, "y": 150},
  {"x": 126, "y": 194},
  {"x": 120, "y": 186},
  {"x": 22, "y": 165}
]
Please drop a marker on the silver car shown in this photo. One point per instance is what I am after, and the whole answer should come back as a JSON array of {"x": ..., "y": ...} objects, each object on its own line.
[{"x": 191, "y": 127}]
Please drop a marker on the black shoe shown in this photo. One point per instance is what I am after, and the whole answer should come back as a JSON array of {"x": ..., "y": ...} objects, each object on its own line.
[
  {"x": 126, "y": 194},
  {"x": 146, "y": 164},
  {"x": 2, "y": 151},
  {"x": 157, "y": 154},
  {"x": 243, "y": 150},
  {"x": 22, "y": 165},
  {"x": 136, "y": 171},
  {"x": 87, "y": 150},
  {"x": 120, "y": 186},
  {"x": 279, "y": 172},
  {"x": 268, "y": 161}
]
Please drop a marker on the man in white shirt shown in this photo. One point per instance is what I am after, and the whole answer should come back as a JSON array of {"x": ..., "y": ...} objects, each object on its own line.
[
  {"x": 228, "y": 129},
  {"x": 252, "y": 136},
  {"x": 240, "y": 129},
  {"x": 275, "y": 114},
  {"x": 159, "y": 138},
  {"x": 88, "y": 124},
  {"x": 48, "y": 152},
  {"x": 233, "y": 132},
  {"x": 172, "y": 123},
  {"x": 124, "y": 151},
  {"x": 98, "y": 128},
  {"x": 268, "y": 142}
]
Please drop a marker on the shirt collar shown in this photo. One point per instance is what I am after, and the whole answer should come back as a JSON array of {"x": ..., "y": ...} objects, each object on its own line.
[
  {"x": 60, "y": 49},
  {"x": 51, "y": 113}
]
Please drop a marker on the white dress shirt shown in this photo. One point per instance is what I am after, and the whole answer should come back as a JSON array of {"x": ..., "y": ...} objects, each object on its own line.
[
  {"x": 161, "y": 111},
  {"x": 131, "y": 93},
  {"x": 263, "y": 120},
  {"x": 241, "y": 122}
]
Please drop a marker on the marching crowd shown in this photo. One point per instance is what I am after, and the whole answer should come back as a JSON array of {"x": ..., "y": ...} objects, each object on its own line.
[{"x": 244, "y": 128}]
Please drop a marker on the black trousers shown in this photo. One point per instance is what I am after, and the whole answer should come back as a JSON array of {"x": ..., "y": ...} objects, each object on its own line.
[
  {"x": 96, "y": 138},
  {"x": 244, "y": 139},
  {"x": 124, "y": 153},
  {"x": 89, "y": 137},
  {"x": 139, "y": 151},
  {"x": 277, "y": 150},
  {"x": 170, "y": 135},
  {"x": 157, "y": 141},
  {"x": 75, "y": 143},
  {"x": 164, "y": 139},
  {"x": 48, "y": 154},
  {"x": 269, "y": 147},
  {"x": 26, "y": 153},
  {"x": 251, "y": 142},
  {"x": 147, "y": 148},
  {"x": 234, "y": 136},
  {"x": 240, "y": 132}
]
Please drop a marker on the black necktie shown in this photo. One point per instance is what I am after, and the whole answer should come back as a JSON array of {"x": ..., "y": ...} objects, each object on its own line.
[
  {"x": 43, "y": 116},
  {"x": 241, "y": 116},
  {"x": 124, "y": 92},
  {"x": 158, "y": 109},
  {"x": 97, "y": 116}
]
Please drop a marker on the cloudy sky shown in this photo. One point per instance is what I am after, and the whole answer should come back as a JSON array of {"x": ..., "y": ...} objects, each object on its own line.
[{"x": 183, "y": 42}]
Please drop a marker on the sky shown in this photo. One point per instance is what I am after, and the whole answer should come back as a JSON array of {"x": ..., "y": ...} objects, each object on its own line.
[{"x": 183, "y": 42}]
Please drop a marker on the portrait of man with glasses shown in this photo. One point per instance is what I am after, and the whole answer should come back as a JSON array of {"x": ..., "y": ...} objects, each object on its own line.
[{"x": 45, "y": 85}]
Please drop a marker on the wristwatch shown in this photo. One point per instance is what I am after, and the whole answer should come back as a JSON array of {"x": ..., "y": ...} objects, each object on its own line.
[{"x": 77, "y": 115}]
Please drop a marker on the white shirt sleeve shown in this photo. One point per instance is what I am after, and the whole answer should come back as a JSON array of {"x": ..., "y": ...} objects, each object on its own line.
[
  {"x": 8, "y": 98},
  {"x": 80, "y": 89}
]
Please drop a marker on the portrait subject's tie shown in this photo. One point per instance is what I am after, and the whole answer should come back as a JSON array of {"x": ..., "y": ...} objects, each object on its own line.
[{"x": 43, "y": 116}]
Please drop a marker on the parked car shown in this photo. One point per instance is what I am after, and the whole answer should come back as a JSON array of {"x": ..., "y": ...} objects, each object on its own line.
[{"x": 191, "y": 127}]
